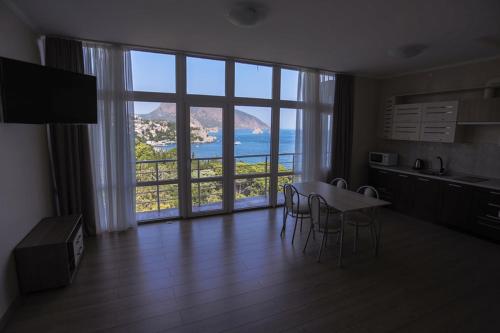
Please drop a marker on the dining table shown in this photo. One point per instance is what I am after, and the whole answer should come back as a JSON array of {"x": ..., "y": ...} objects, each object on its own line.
[{"x": 344, "y": 201}]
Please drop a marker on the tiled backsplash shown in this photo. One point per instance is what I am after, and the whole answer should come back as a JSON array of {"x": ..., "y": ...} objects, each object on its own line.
[{"x": 482, "y": 159}]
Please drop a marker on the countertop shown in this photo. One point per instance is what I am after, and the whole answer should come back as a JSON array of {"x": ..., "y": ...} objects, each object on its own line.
[{"x": 491, "y": 183}]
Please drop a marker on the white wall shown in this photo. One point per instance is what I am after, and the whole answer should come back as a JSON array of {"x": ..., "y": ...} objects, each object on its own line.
[{"x": 25, "y": 195}]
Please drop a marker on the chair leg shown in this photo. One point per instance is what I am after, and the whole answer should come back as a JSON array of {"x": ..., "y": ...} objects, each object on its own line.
[
  {"x": 321, "y": 247},
  {"x": 285, "y": 215},
  {"x": 356, "y": 232},
  {"x": 307, "y": 240},
  {"x": 341, "y": 238},
  {"x": 377, "y": 235},
  {"x": 373, "y": 236},
  {"x": 295, "y": 228},
  {"x": 301, "y": 220}
]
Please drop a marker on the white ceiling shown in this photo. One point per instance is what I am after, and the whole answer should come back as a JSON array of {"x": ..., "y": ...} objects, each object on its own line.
[{"x": 339, "y": 35}]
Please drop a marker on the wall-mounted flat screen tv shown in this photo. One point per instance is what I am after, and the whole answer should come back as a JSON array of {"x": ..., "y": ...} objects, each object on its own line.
[{"x": 34, "y": 94}]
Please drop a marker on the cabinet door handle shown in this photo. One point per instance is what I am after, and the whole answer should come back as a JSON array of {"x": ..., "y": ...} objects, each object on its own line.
[
  {"x": 493, "y": 217},
  {"x": 495, "y": 193},
  {"x": 493, "y": 205},
  {"x": 455, "y": 185},
  {"x": 424, "y": 180}
]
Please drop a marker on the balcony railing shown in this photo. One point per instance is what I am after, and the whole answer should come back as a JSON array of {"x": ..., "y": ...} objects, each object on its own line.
[{"x": 157, "y": 182}]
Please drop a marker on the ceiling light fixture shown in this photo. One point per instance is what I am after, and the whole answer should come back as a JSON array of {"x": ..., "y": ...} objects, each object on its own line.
[
  {"x": 247, "y": 14},
  {"x": 407, "y": 51}
]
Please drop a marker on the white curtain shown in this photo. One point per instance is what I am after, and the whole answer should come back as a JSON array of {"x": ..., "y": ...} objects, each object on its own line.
[
  {"x": 314, "y": 125},
  {"x": 112, "y": 138}
]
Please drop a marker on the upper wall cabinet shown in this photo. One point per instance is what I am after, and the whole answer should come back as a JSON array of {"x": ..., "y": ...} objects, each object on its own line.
[
  {"x": 440, "y": 111},
  {"x": 407, "y": 113},
  {"x": 432, "y": 122},
  {"x": 480, "y": 111}
]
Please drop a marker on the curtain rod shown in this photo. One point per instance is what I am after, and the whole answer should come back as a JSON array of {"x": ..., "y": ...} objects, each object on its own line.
[{"x": 184, "y": 52}]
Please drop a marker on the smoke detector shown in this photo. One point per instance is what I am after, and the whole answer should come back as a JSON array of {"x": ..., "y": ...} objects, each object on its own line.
[{"x": 247, "y": 14}]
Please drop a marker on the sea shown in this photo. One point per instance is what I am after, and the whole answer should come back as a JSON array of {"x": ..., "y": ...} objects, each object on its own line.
[{"x": 247, "y": 143}]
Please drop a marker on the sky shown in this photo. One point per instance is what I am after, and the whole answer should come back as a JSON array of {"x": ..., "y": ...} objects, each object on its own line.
[{"x": 155, "y": 72}]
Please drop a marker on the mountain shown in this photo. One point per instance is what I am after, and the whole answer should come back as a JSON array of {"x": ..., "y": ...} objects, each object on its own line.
[{"x": 205, "y": 117}]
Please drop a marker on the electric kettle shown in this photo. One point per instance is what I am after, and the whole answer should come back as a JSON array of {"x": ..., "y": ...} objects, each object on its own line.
[{"x": 419, "y": 164}]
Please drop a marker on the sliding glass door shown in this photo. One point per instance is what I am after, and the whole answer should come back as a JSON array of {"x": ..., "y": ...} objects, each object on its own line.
[
  {"x": 214, "y": 135},
  {"x": 206, "y": 158}
]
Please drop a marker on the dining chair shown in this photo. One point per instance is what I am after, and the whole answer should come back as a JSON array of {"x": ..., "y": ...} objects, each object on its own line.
[
  {"x": 325, "y": 222},
  {"x": 364, "y": 218},
  {"x": 340, "y": 183},
  {"x": 294, "y": 207}
]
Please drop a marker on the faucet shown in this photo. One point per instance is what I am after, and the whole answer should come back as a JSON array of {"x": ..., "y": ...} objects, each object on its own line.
[{"x": 441, "y": 168}]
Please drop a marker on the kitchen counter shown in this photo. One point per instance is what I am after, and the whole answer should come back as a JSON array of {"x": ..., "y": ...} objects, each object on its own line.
[{"x": 491, "y": 183}]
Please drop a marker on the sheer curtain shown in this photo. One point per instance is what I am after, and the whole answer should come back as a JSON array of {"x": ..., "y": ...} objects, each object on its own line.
[
  {"x": 314, "y": 125},
  {"x": 112, "y": 138}
]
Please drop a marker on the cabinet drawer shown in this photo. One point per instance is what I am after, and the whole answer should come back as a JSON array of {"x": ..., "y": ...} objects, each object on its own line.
[
  {"x": 440, "y": 111},
  {"x": 438, "y": 132},
  {"x": 407, "y": 113},
  {"x": 406, "y": 131}
]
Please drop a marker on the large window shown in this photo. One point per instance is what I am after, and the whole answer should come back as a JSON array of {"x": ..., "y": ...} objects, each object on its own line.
[
  {"x": 206, "y": 76},
  {"x": 214, "y": 135}
]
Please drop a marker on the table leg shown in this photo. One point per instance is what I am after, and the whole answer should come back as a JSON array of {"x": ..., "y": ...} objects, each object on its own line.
[{"x": 379, "y": 231}]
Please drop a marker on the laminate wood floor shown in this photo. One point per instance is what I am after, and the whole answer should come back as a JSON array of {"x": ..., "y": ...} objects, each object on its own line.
[{"x": 234, "y": 273}]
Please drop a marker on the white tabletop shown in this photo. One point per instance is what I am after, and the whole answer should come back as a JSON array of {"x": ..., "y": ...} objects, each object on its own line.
[{"x": 340, "y": 199}]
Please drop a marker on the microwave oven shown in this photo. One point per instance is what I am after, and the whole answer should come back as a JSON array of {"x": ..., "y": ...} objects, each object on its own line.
[{"x": 386, "y": 159}]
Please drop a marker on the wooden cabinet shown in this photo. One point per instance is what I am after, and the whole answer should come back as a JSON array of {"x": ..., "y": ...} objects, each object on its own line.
[
  {"x": 438, "y": 132},
  {"x": 464, "y": 207},
  {"x": 408, "y": 113},
  {"x": 426, "y": 198},
  {"x": 403, "y": 192},
  {"x": 486, "y": 213},
  {"x": 49, "y": 255},
  {"x": 430, "y": 122},
  {"x": 393, "y": 187},
  {"x": 406, "y": 131},
  {"x": 383, "y": 181},
  {"x": 440, "y": 112},
  {"x": 479, "y": 111},
  {"x": 388, "y": 118},
  {"x": 455, "y": 208}
]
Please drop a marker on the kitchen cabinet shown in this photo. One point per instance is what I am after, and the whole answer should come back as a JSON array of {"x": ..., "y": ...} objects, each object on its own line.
[
  {"x": 479, "y": 111},
  {"x": 440, "y": 112},
  {"x": 383, "y": 181},
  {"x": 438, "y": 132},
  {"x": 407, "y": 113},
  {"x": 455, "y": 208},
  {"x": 429, "y": 122},
  {"x": 393, "y": 187},
  {"x": 486, "y": 213},
  {"x": 406, "y": 131},
  {"x": 426, "y": 198},
  {"x": 403, "y": 189},
  {"x": 465, "y": 207}
]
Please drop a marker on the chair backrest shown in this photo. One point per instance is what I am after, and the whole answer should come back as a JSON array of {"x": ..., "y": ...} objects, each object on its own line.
[
  {"x": 340, "y": 183},
  {"x": 368, "y": 191},
  {"x": 320, "y": 211},
  {"x": 291, "y": 196}
]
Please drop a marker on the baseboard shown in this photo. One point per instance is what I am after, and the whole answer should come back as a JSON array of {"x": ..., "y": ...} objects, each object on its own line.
[{"x": 4, "y": 319}]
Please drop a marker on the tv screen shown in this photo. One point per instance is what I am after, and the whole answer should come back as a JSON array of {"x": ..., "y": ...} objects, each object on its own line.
[{"x": 34, "y": 94}]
